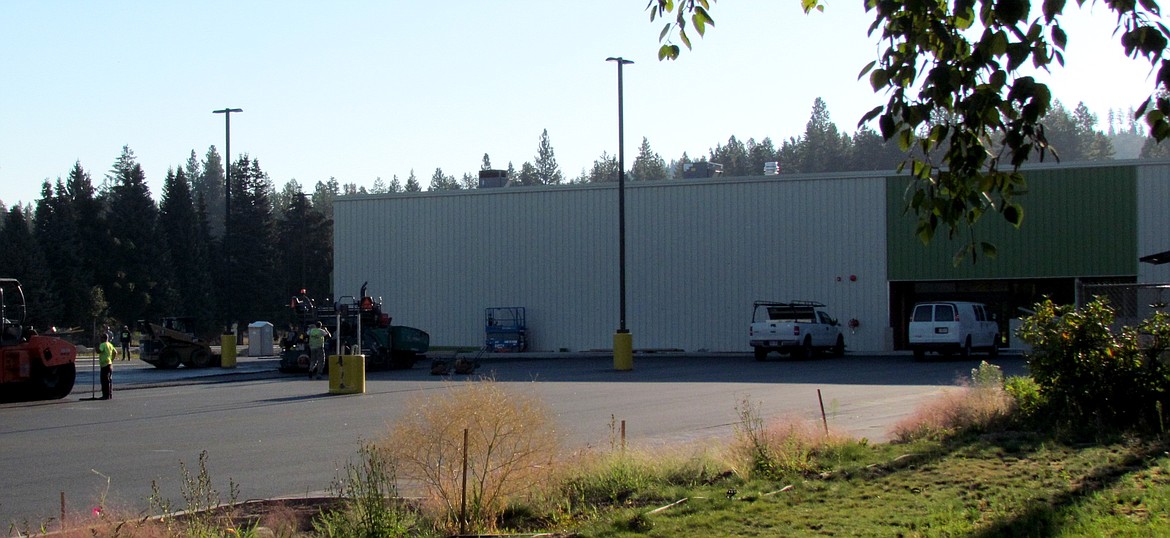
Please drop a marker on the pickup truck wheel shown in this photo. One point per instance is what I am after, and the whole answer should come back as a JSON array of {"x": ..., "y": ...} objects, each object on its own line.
[
  {"x": 805, "y": 351},
  {"x": 839, "y": 347},
  {"x": 761, "y": 353},
  {"x": 919, "y": 355},
  {"x": 994, "y": 351}
]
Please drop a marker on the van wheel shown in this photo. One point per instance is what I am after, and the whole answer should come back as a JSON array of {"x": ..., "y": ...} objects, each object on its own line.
[
  {"x": 994, "y": 351},
  {"x": 967, "y": 348}
]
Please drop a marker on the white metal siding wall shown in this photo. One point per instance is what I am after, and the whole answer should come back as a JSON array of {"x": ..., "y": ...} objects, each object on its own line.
[
  {"x": 698, "y": 253},
  {"x": 1153, "y": 200}
]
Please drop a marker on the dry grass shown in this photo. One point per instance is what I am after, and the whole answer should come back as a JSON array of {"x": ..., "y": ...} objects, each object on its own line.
[
  {"x": 512, "y": 443},
  {"x": 770, "y": 449},
  {"x": 955, "y": 410}
]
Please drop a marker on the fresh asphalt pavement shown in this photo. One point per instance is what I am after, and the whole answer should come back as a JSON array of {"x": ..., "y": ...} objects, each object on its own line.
[{"x": 274, "y": 434}]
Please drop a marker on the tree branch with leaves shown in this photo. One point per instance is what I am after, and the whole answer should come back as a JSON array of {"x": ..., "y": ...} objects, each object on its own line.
[{"x": 960, "y": 103}]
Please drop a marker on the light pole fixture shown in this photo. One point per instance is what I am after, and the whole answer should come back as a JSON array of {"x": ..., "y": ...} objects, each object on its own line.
[
  {"x": 623, "y": 341},
  {"x": 227, "y": 180},
  {"x": 227, "y": 197}
]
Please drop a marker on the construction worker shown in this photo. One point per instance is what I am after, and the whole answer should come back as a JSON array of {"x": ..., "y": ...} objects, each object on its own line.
[
  {"x": 317, "y": 336},
  {"x": 106, "y": 355},
  {"x": 124, "y": 338}
]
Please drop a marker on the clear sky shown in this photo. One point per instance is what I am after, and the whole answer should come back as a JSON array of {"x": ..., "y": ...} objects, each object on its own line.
[{"x": 363, "y": 89}]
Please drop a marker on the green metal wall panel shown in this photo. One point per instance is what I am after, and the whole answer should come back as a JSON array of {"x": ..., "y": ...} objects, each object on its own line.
[{"x": 1078, "y": 222}]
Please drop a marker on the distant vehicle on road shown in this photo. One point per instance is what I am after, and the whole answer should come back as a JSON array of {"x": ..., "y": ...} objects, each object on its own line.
[
  {"x": 798, "y": 328},
  {"x": 948, "y": 327}
]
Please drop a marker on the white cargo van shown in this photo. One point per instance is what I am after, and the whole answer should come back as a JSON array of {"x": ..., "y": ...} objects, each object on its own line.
[{"x": 952, "y": 326}]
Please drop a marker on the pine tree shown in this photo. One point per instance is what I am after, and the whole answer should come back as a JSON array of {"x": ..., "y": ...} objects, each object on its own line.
[
  {"x": 181, "y": 227},
  {"x": 487, "y": 163},
  {"x": 605, "y": 169},
  {"x": 24, "y": 260},
  {"x": 442, "y": 182},
  {"x": 93, "y": 242},
  {"x": 251, "y": 286},
  {"x": 282, "y": 200},
  {"x": 412, "y": 184},
  {"x": 648, "y": 166},
  {"x": 823, "y": 148},
  {"x": 136, "y": 257},
  {"x": 528, "y": 175},
  {"x": 304, "y": 250},
  {"x": 469, "y": 181},
  {"x": 733, "y": 157},
  {"x": 758, "y": 154},
  {"x": 210, "y": 185},
  {"x": 547, "y": 171},
  {"x": 324, "y": 194}
]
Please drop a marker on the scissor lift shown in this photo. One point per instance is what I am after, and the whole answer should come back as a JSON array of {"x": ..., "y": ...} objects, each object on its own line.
[{"x": 505, "y": 330}]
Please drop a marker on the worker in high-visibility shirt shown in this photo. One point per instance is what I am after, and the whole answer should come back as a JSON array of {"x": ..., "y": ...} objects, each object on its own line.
[
  {"x": 317, "y": 336},
  {"x": 107, "y": 352}
]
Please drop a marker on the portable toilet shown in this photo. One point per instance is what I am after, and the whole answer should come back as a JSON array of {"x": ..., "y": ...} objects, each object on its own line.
[{"x": 260, "y": 339}]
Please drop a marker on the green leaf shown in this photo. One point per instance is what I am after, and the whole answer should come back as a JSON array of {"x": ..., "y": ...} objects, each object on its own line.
[
  {"x": 1058, "y": 37},
  {"x": 1014, "y": 214},
  {"x": 866, "y": 69},
  {"x": 1052, "y": 8},
  {"x": 989, "y": 249}
]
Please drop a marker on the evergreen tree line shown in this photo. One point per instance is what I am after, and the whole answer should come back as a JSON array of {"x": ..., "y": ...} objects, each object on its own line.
[
  {"x": 89, "y": 255},
  {"x": 108, "y": 253},
  {"x": 822, "y": 148}
]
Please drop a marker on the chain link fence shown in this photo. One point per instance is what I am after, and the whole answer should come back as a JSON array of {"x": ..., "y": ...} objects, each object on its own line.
[{"x": 1131, "y": 302}]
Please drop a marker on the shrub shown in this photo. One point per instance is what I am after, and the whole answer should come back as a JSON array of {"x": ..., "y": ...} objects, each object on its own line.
[
  {"x": 1025, "y": 392},
  {"x": 511, "y": 445},
  {"x": 1089, "y": 371},
  {"x": 976, "y": 406}
]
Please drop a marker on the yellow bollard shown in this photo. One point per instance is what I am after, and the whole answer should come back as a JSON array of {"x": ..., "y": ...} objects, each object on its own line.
[
  {"x": 347, "y": 374},
  {"x": 227, "y": 345},
  {"x": 623, "y": 351}
]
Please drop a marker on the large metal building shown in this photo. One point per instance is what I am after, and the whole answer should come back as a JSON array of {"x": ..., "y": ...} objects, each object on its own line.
[{"x": 700, "y": 251}]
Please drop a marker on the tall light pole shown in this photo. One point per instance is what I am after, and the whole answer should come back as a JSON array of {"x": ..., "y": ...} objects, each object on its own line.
[
  {"x": 623, "y": 341},
  {"x": 227, "y": 197}
]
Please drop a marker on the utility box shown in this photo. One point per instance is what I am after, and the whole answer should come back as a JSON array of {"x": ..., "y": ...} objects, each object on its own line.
[
  {"x": 701, "y": 169},
  {"x": 490, "y": 179},
  {"x": 260, "y": 339}
]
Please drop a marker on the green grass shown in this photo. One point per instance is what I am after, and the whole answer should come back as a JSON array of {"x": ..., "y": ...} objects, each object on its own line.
[{"x": 1007, "y": 485}]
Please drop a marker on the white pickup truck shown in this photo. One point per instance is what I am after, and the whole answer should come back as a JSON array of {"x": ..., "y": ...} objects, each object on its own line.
[{"x": 798, "y": 328}]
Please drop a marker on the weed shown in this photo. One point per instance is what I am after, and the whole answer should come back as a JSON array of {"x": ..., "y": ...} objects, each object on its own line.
[
  {"x": 956, "y": 410},
  {"x": 783, "y": 447},
  {"x": 511, "y": 446},
  {"x": 373, "y": 509},
  {"x": 204, "y": 513}
]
